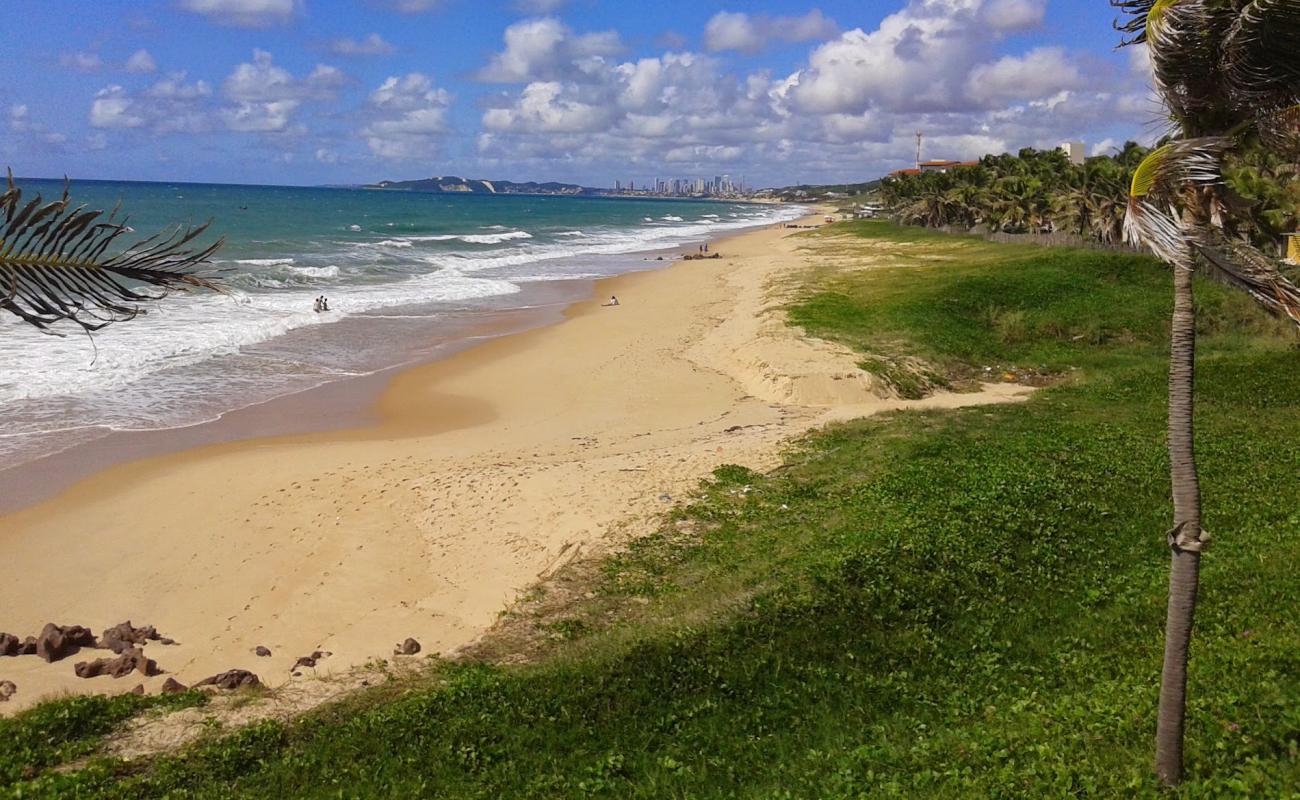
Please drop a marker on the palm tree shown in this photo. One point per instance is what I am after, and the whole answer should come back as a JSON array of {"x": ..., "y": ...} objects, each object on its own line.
[
  {"x": 1227, "y": 73},
  {"x": 55, "y": 264}
]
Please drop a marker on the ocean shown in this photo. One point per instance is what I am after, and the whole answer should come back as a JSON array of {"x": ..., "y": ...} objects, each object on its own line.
[{"x": 398, "y": 269}]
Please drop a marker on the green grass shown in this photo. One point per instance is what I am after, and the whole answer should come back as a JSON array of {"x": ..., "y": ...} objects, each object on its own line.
[
  {"x": 942, "y": 604},
  {"x": 57, "y": 732}
]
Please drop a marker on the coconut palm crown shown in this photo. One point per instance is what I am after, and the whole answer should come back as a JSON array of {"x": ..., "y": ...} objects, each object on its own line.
[
  {"x": 55, "y": 263},
  {"x": 1228, "y": 75}
]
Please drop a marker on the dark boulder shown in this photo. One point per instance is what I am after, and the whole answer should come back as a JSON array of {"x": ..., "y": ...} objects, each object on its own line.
[
  {"x": 10, "y": 644},
  {"x": 262, "y": 651},
  {"x": 139, "y": 689},
  {"x": 7, "y": 690},
  {"x": 56, "y": 642},
  {"x": 124, "y": 636},
  {"x": 132, "y": 661},
  {"x": 310, "y": 661},
  {"x": 173, "y": 686},
  {"x": 231, "y": 679},
  {"x": 407, "y": 648}
]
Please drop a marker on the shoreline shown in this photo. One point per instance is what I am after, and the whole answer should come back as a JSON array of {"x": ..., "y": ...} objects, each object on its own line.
[
  {"x": 332, "y": 406},
  {"x": 485, "y": 472}
]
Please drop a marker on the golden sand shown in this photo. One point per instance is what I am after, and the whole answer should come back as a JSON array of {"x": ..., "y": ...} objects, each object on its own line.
[{"x": 486, "y": 471}]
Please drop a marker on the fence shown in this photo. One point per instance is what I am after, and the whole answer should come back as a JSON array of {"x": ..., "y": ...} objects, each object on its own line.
[{"x": 1055, "y": 239}]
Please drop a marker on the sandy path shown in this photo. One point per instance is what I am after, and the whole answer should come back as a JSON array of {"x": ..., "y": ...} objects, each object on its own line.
[{"x": 489, "y": 469}]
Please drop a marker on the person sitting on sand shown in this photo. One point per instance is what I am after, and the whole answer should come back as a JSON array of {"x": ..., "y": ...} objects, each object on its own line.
[{"x": 613, "y": 301}]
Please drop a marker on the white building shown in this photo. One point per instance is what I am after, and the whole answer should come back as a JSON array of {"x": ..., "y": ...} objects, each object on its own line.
[{"x": 1074, "y": 151}]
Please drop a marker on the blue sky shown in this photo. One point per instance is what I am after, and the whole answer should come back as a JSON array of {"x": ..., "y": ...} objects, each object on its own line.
[{"x": 338, "y": 91}]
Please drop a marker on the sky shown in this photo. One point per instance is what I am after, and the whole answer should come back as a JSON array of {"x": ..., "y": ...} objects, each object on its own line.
[{"x": 306, "y": 92}]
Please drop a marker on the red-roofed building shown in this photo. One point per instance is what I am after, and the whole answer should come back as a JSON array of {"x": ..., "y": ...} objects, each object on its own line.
[{"x": 933, "y": 166}]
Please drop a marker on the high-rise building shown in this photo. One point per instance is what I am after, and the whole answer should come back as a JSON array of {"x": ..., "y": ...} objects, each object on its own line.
[{"x": 1074, "y": 151}]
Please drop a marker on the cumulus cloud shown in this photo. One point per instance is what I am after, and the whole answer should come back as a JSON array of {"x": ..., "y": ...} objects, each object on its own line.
[
  {"x": 734, "y": 30},
  {"x": 937, "y": 65},
  {"x": 547, "y": 49},
  {"x": 407, "y": 117},
  {"x": 918, "y": 60},
  {"x": 1014, "y": 15},
  {"x": 1042, "y": 72},
  {"x": 244, "y": 13},
  {"x": 265, "y": 97},
  {"x": 113, "y": 107},
  {"x": 141, "y": 62},
  {"x": 372, "y": 45},
  {"x": 546, "y": 107},
  {"x": 170, "y": 105}
]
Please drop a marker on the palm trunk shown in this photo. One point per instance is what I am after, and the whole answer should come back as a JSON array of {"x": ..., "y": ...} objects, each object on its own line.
[{"x": 1185, "y": 538}]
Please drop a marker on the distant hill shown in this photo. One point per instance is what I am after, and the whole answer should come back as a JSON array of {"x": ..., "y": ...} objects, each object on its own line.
[
  {"x": 826, "y": 191},
  {"x": 451, "y": 184}
]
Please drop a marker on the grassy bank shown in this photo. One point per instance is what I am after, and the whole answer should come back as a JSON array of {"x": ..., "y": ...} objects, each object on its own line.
[{"x": 943, "y": 604}]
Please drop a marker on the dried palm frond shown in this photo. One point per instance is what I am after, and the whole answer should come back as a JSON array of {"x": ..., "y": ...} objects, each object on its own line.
[
  {"x": 55, "y": 265},
  {"x": 1185, "y": 70},
  {"x": 1157, "y": 180},
  {"x": 1241, "y": 265},
  {"x": 1261, "y": 53},
  {"x": 1280, "y": 130}
]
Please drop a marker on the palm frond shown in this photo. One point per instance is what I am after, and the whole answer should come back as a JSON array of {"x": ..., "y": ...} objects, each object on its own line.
[
  {"x": 1164, "y": 173},
  {"x": 1184, "y": 67},
  {"x": 55, "y": 264},
  {"x": 1279, "y": 130},
  {"x": 1261, "y": 53},
  {"x": 1136, "y": 24},
  {"x": 1241, "y": 265}
]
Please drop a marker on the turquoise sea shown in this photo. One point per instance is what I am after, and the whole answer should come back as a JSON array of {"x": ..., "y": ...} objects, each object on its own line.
[{"x": 396, "y": 266}]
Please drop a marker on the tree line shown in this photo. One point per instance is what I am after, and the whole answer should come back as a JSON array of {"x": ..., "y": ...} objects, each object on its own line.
[{"x": 1041, "y": 191}]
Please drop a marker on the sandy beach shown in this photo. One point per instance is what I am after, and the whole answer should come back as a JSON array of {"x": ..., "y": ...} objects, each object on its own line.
[{"x": 482, "y": 473}]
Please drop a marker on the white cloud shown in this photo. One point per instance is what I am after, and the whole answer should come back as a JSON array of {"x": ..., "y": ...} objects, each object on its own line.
[
  {"x": 113, "y": 107},
  {"x": 273, "y": 116},
  {"x": 1040, "y": 73},
  {"x": 244, "y": 13},
  {"x": 919, "y": 58},
  {"x": 728, "y": 30},
  {"x": 407, "y": 117},
  {"x": 543, "y": 107},
  {"x": 85, "y": 62},
  {"x": 141, "y": 62},
  {"x": 937, "y": 65},
  {"x": 1015, "y": 15},
  {"x": 326, "y": 156},
  {"x": 265, "y": 97},
  {"x": 547, "y": 49},
  {"x": 170, "y": 105},
  {"x": 372, "y": 45}
]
